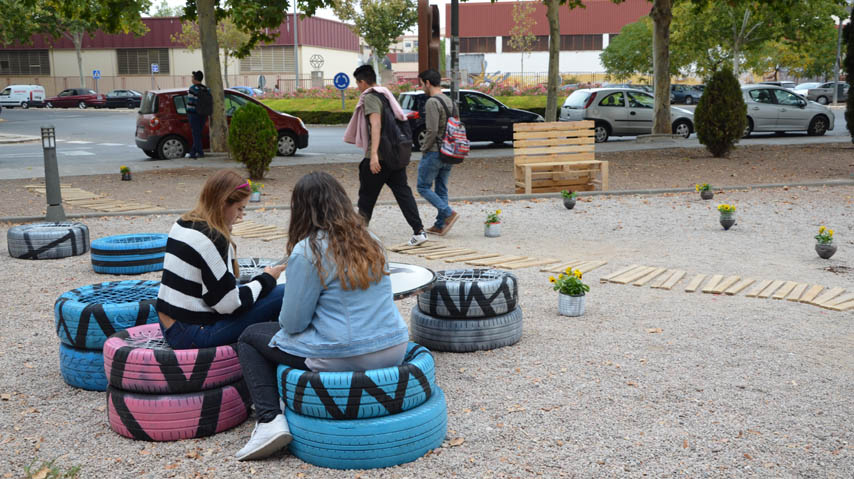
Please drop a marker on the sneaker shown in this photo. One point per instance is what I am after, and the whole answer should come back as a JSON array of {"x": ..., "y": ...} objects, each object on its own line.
[
  {"x": 267, "y": 438},
  {"x": 435, "y": 230},
  {"x": 449, "y": 221},
  {"x": 418, "y": 239}
]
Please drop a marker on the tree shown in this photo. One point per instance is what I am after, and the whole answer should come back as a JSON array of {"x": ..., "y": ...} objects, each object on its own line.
[
  {"x": 721, "y": 115},
  {"x": 164, "y": 10},
  {"x": 71, "y": 19},
  {"x": 229, "y": 38},
  {"x": 378, "y": 22},
  {"x": 630, "y": 53},
  {"x": 522, "y": 36},
  {"x": 848, "y": 35}
]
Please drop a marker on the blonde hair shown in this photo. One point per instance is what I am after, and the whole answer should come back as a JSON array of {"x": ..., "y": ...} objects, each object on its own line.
[{"x": 222, "y": 189}]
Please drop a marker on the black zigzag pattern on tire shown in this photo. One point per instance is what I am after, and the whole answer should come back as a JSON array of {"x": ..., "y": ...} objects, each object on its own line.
[{"x": 471, "y": 293}]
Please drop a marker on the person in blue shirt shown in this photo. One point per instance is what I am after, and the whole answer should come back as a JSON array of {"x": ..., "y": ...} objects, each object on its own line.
[
  {"x": 338, "y": 311},
  {"x": 197, "y": 121}
]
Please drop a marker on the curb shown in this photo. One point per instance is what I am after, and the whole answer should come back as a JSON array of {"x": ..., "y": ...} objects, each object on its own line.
[
  {"x": 502, "y": 197},
  {"x": 17, "y": 139}
]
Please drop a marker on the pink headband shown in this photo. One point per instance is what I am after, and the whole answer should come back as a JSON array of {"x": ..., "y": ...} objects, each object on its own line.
[{"x": 244, "y": 185}]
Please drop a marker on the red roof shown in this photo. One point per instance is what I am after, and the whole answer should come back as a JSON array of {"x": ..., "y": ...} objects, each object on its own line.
[
  {"x": 311, "y": 31},
  {"x": 496, "y": 19}
]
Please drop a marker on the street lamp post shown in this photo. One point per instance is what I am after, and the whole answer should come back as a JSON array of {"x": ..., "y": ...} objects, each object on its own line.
[{"x": 55, "y": 212}]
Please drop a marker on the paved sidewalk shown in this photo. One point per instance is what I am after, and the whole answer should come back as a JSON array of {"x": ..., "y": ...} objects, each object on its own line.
[{"x": 8, "y": 138}]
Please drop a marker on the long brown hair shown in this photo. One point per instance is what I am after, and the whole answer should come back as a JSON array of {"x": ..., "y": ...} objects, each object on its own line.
[
  {"x": 220, "y": 190},
  {"x": 319, "y": 203}
]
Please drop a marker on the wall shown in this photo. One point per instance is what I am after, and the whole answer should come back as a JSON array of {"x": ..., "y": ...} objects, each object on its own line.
[
  {"x": 570, "y": 61},
  {"x": 334, "y": 61}
]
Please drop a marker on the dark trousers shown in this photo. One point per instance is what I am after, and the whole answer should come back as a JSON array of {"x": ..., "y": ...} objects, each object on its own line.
[
  {"x": 370, "y": 186},
  {"x": 259, "y": 362},
  {"x": 197, "y": 122}
]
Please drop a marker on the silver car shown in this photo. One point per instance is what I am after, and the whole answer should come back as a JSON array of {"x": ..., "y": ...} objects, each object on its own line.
[
  {"x": 771, "y": 108},
  {"x": 621, "y": 112}
]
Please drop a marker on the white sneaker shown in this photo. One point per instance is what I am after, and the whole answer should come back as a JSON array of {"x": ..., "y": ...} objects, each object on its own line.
[
  {"x": 418, "y": 239},
  {"x": 266, "y": 439}
]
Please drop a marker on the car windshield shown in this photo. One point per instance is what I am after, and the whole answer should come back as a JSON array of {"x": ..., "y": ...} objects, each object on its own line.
[
  {"x": 578, "y": 99},
  {"x": 6, "y": 92},
  {"x": 806, "y": 86},
  {"x": 149, "y": 103},
  {"x": 481, "y": 103}
]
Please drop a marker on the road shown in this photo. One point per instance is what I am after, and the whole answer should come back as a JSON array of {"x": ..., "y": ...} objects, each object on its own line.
[{"x": 99, "y": 141}]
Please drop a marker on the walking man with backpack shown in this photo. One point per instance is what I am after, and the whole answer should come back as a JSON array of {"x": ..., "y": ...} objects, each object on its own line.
[
  {"x": 375, "y": 127},
  {"x": 432, "y": 169},
  {"x": 199, "y": 107}
]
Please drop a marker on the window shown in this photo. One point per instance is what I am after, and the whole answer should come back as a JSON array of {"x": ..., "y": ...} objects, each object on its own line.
[
  {"x": 67, "y": 93},
  {"x": 477, "y": 45},
  {"x": 407, "y": 58},
  {"x": 233, "y": 102},
  {"x": 540, "y": 44},
  {"x": 581, "y": 42},
  {"x": 137, "y": 61},
  {"x": 640, "y": 100},
  {"x": 180, "y": 102},
  {"x": 786, "y": 98},
  {"x": 24, "y": 62},
  {"x": 761, "y": 96},
  {"x": 269, "y": 59},
  {"x": 614, "y": 99},
  {"x": 478, "y": 103}
]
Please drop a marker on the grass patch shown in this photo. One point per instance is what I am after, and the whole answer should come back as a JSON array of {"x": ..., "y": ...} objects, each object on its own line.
[
  {"x": 47, "y": 470},
  {"x": 289, "y": 105}
]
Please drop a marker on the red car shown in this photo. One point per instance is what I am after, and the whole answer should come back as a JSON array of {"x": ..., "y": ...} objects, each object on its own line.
[
  {"x": 163, "y": 130},
  {"x": 76, "y": 97}
]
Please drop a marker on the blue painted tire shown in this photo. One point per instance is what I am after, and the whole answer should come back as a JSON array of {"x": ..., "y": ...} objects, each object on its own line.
[
  {"x": 129, "y": 254},
  {"x": 82, "y": 368},
  {"x": 363, "y": 394},
  {"x": 373, "y": 442},
  {"x": 85, "y": 317}
]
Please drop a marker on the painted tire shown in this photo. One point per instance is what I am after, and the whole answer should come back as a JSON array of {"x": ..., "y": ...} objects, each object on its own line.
[
  {"x": 47, "y": 240},
  {"x": 138, "y": 359},
  {"x": 129, "y": 254},
  {"x": 85, "y": 317},
  {"x": 364, "y": 394},
  {"x": 470, "y": 293},
  {"x": 370, "y": 443},
  {"x": 252, "y": 267},
  {"x": 466, "y": 335},
  {"x": 82, "y": 368},
  {"x": 151, "y": 417}
]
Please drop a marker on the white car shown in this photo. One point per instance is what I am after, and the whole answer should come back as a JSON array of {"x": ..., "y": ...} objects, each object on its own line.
[
  {"x": 621, "y": 112},
  {"x": 771, "y": 108},
  {"x": 23, "y": 96}
]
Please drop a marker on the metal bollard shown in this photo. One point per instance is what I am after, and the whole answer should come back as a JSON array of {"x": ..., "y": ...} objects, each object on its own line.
[{"x": 55, "y": 213}]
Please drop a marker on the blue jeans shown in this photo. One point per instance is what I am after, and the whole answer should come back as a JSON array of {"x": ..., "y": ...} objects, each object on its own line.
[
  {"x": 430, "y": 170},
  {"x": 197, "y": 122},
  {"x": 228, "y": 328}
]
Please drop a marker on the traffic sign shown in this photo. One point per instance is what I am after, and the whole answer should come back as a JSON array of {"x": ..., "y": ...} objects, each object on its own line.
[
  {"x": 341, "y": 81},
  {"x": 155, "y": 68},
  {"x": 96, "y": 74}
]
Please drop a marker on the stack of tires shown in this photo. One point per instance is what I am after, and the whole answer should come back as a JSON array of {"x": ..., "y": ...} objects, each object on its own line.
[
  {"x": 47, "y": 240},
  {"x": 468, "y": 310},
  {"x": 156, "y": 393},
  {"x": 85, "y": 317},
  {"x": 129, "y": 254},
  {"x": 363, "y": 420}
]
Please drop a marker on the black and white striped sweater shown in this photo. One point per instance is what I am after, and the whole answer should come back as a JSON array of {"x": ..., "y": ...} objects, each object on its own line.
[{"x": 198, "y": 284}]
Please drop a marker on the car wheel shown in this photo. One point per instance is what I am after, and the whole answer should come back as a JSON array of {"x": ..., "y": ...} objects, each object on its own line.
[
  {"x": 418, "y": 138},
  {"x": 151, "y": 153},
  {"x": 25, "y": 105},
  {"x": 131, "y": 105},
  {"x": 682, "y": 128},
  {"x": 287, "y": 145},
  {"x": 601, "y": 132},
  {"x": 818, "y": 126},
  {"x": 49, "y": 105},
  {"x": 82, "y": 105},
  {"x": 171, "y": 147},
  {"x": 689, "y": 100},
  {"x": 748, "y": 129},
  {"x": 822, "y": 100}
]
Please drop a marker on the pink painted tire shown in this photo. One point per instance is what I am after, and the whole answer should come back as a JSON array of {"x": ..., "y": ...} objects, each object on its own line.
[
  {"x": 138, "y": 359},
  {"x": 151, "y": 417}
]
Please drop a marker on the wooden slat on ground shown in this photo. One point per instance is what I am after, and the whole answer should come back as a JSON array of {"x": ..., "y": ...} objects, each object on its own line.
[
  {"x": 838, "y": 300},
  {"x": 93, "y": 201},
  {"x": 811, "y": 293},
  {"x": 725, "y": 283},
  {"x": 796, "y": 293},
  {"x": 826, "y": 297},
  {"x": 561, "y": 267},
  {"x": 695, "y": 283},
  {"x": 844, "y": 306},
  {"x": 605, "y": 279},
  {"x": 525, "y": 263},
  {"x": 589, "y": 266},
  {"x": 784, "y": 290},
  {"x": 738, "y": 287},
  {"x": 649, "y": 276},
  {"x": 447, "y": 254},
  {"x": 712, "y": 283},
  {"x": 674, "y": 278},
  {"x": 767, "y": 292},
  {"x": 758, "y": 288},
  {"x": 633, "y": 275},
  {"x": 469, "y": 257},
  {"x": 493, "y": 261}
]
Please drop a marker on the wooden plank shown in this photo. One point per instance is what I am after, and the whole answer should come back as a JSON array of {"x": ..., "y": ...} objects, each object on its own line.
[
  {"x": 797, "y": 292},
  {"x": 834, "y": 292},
  {"x": 264, "y": 234},
  {"x": 712, "y": 283},
  {"x": 433, "y": 249},
  {"x": 463, "y": 259},
  {"x": 767, "y": 292},
  {"x": 725, "y": 283},
  {"x": 838, "y": 300},
  {"x": 811, "y": 293},
  {"x": 420, "y": 248},
  {"x": 396, "y": 248},
  {"x": 605, "y": 279},
  {"x": 275, "y": 237},
  {"x": 603, "y": 181},
  {"x": 546, "y": 142},
  {"x": 661, "y": 279},
  {"x": 844, "y": 306},
  {"x": 554, "y": 125},
  {"x": 758, "y": 288},
  {"x": 694, "y": 283},
  {"x": 555, "y": 267},
  {"x": 649, "y": 277},
  {"x": 677, "y": 276},
  {"x": 550, "y": 149},
  {"x": 633, "y": 275},
  {"x": 578, "y": 138},
  {"x": 556, "y": 158},
  {"x": 590, "y": 266},
  {"x": 738, "y": 287},
  {"x": 786, "y": 289},
  {"x": 253, "y": 229},
  {"x": 525, "y": 264},
  {"x": 492, "y": 261},
  {"x": 448, "y": 254}
]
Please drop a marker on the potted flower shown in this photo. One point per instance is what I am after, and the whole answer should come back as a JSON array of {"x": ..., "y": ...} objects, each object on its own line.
[
  {"x": 705, "y": 190},
  {"x": 255, "y": 197},
  {"x": 493, "y": 224},
  {"x": 125, "y": 173},
  {"x": 727, "y": 215},
  {"x": 572, "y": 291},
  {"x": 568, "y": 198},
  {"x": 824, "y": 246}
]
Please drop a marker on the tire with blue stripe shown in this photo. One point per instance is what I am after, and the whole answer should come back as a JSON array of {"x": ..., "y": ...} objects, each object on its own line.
[
  {"x": 361, "y": 394},
  {"x": 82, "y": 368},
  {"x": 372, "y": 442},
  {"x": 47, "y": 240},
  {"x": 85, "y": 317},
  {"x": 129, "y": 254}
]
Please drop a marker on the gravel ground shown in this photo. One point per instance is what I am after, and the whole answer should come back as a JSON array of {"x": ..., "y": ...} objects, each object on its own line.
[{"x": 730, "y": 387}]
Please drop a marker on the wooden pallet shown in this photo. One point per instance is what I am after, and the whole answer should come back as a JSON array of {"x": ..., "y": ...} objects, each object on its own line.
[{"x": 251, "y": 229}]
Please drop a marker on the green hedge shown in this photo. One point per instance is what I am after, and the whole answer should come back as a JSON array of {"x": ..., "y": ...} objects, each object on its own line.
[{"x": 323, "y": 117}]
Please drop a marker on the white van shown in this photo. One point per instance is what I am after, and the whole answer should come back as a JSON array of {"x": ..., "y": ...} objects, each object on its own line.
[{"x": 23, "y": 96}]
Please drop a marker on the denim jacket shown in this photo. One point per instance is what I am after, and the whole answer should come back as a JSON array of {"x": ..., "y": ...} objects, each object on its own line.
[{"x": 332, "y": 322}]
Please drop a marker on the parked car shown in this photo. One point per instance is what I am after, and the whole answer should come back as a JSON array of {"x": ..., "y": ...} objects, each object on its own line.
[
  {"x": 823, "y": 93},
  {"x": 485, "y": 118},
  {"x": 76, "y": 97},
  {"x": 124, "y": 99},
  {"x": 773, "y": 108},
  {"x": 785, "y": 84},
  {"x": 621, "y": 112},
  {"x": 23, "y": 96},
  {"x": 248, "y": 90},
  {"x": 686, "y": 94},
  {"x": 163, "y": 130},
  {"x": 803, "y": 88}
]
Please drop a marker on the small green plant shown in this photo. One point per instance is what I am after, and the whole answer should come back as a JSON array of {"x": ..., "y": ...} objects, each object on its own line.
[
  {"x": 703, "y": 187},
  {"x": 726, "y": 209},
  {"x": 48, "y": 471},
  {"x": 568, "y": 194},
  {"x": 721, "y": 114},
  {"x": 255, "y": 186},
  {"x": 569, "y": 283},
  {"x": 252, "y": 139},
  {"x": 492, "y": 218},
  {"x": 824, "y": 236},
  {"x": 124, "y": 169}
]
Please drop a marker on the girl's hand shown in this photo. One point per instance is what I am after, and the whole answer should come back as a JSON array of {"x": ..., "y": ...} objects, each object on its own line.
[{"x": 275, "y": 271}]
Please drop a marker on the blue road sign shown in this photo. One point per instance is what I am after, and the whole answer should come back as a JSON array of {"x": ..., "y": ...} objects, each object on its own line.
[
  {"x": 96, "y": 74},
  {"x": 155, "y": 68},
  {"x": 341, "y": 81}
]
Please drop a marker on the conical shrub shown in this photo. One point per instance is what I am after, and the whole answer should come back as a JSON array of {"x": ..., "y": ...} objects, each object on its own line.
[
  {"x": 721, "y": 115},
  {"x": 252, "y": 139}
]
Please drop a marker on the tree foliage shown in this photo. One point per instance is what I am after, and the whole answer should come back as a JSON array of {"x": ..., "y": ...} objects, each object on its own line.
[
  {"x": 252, "y": 139},
  {"x": 522, "y": 36},
  {"x": 721, "y": 115},
  {"x": 229, "y": 37},
  {"x": 378, "y": 22},
  {"x": 164, "y": 10}
]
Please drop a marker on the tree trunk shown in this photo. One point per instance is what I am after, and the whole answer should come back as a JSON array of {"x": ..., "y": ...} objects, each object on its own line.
[
  {"x": 661, "y": 14},
  {"x": 213, "y": 73},
  {"x": 552, "y": 11},
  {"x": 377, "y": 68},
  {"x": 77, "y": 40},
  {"x": 225, "y": 59}
]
